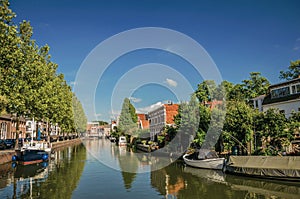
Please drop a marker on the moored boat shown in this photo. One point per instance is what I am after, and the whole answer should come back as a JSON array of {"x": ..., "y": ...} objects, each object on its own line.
[
  {"x": 30, "y": 156},
  {"x": 272, "y": 167},
  {"x": 205, "y": 160},
  {"x": 122, "y": 141}
]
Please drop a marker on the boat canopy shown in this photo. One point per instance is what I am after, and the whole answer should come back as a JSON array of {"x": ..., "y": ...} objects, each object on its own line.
[{"x": 269, "y": 166}]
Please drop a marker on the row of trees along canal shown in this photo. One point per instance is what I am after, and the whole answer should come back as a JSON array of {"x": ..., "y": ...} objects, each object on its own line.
[
  {"x": 30, "y": 84},
  {"x": 255, "y": 132}
]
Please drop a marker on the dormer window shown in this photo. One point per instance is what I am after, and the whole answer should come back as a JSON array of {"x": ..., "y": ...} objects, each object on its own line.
[{"x": 280, "y": 92}]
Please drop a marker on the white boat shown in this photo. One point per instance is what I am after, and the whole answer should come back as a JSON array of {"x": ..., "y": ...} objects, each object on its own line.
[
  {"x": 208, "y": 161},
  {"x": 122, "y": 141}
]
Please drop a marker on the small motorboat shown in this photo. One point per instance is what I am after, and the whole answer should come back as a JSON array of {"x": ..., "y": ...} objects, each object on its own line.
[{"x": 206, "y": 159}]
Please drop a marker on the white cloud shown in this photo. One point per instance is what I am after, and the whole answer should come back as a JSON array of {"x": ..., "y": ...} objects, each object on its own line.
[
  {"x": 171, "y": 82},
  {"x": 135, "y": 100},
  {"x": 149, "y": 108}
]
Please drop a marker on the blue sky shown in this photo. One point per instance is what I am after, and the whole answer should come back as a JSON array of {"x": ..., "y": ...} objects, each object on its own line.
[{"x": 240, "y": 37}]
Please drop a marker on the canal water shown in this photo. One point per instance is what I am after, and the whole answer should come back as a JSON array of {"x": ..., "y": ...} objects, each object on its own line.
[{"x": 99, "y": 169}]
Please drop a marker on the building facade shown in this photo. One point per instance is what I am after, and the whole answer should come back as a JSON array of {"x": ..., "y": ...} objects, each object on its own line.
[
  {"x": 161, "y": 117},
  {"x": 8, "y": 127},
  {"x": 283, "y": 96}
]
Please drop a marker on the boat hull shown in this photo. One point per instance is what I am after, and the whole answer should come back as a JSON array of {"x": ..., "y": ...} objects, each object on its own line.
[
  {"x": 213, "y": 163},
  {"x": 28, "y": 156}
]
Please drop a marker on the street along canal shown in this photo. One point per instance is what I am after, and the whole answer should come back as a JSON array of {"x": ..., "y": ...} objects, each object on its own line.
[{"x": 97, "y": 169}]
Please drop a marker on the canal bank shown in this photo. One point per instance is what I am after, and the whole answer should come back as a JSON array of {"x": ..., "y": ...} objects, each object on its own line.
[{"x": 6, "y": 155}]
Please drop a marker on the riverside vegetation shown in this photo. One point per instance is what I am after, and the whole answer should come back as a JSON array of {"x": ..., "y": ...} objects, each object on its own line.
[{"x": 260, "y": 133}]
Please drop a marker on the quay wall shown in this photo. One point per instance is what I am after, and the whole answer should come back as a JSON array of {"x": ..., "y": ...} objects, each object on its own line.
[
  {"x": 6, "y": 155},
  {"x": 65, "y": 143}
]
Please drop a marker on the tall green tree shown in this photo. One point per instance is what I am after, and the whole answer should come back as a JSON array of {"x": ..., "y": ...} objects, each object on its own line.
[
  {"x": 11, "y": 58},
  {"x": 126, "y": 122},
  {"x": 133, "y": 113},
  {"x": 187, "y": 121},
  {"x": 30, "y": 85},
  {"x": 292, "y": 72},
  {"x": 238, "y": 126},
  {"x": 80, "y": 119}
]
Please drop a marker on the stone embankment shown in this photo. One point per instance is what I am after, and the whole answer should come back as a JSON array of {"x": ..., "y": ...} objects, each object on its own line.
[
  {"x": 65, "y": 143},
  {"x": 6, "y": 155}
]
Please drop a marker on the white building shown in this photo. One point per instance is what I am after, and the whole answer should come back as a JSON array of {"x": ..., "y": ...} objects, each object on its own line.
[
  {"x": 258, "y": 101},
  {"x": 283, "y": 96},
  {"x": 161, "y": 117}
]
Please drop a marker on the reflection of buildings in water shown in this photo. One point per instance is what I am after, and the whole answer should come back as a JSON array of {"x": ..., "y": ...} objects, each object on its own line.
[
  {"x": 168, "y": 181},
  {"x": 173, "y": 189}
]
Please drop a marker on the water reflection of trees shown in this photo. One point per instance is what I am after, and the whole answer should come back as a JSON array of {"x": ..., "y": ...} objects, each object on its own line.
[
  {"x": 62, "y": 178},
  {"x": 129, "y": 165}
]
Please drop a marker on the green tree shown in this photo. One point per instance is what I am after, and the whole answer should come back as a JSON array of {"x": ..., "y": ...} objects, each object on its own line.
[
  {"x": 3, "y": 104},
  {"x": 133, "y": 113},
  {"x": 293, "y": 127},
  {"x": 206, "y": 91},
  {"x": 204, "y": 121},
  {"x": 80, "y": 119},
  {"x": 292, "y": 72},
  {"x": 187, "y": 121},
  {"x": 256, "y": 85},
  {"x": 126, "y": 122},
  {"x": 238, "y": 126},
  {"x": 272, "y": 127}
]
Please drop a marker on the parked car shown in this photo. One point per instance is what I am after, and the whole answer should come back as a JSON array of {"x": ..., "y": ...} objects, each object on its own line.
[
  {"x": 2, "y": 145},
  {"x": 10, "y": 143}
]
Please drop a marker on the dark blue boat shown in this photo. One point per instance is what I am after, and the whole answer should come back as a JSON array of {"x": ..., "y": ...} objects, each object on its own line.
[{"x": 30, "y": 156}]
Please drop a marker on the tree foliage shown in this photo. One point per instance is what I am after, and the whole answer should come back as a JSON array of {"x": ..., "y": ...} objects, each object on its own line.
[
  {"x": 127, "y": 122},
  {"x": 292, "y": 72},
  {"x": 256, "y": 85},
  {"x": 272, "y": 127},
  {"x": 238, "y": 126},
  {"x": 30, "y": 85}
]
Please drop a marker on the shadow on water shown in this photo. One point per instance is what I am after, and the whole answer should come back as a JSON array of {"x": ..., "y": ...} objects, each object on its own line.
[{"x": 54, "y": 179}]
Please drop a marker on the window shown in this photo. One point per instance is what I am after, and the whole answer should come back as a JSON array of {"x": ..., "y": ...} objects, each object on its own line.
[
  {"x": 280, "y": 92},
  {"x": 256, "y": 103},
  {"x": 298, "y": 88},
  {"x": 295, "y": 88},
  {"x": 294, "y": 91}
]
